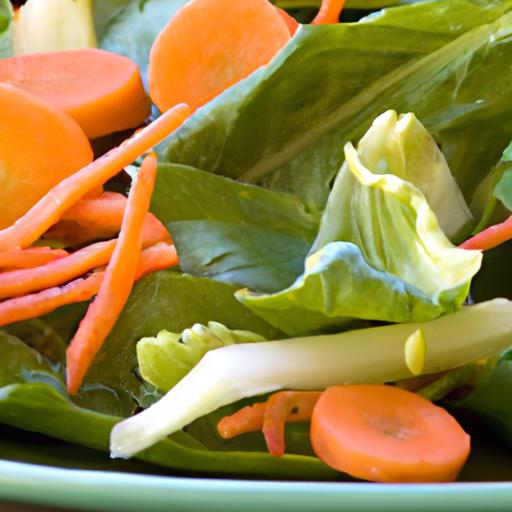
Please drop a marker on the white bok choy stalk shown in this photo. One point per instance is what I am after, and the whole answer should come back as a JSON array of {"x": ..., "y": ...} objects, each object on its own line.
[{"x": 371, "y": 356}]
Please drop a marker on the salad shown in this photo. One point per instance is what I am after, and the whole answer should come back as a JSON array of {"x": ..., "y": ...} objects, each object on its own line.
[{"x": 258, "y": 239}]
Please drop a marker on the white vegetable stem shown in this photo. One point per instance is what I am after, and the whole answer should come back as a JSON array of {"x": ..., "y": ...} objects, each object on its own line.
[{"x": 369, "y": 356}]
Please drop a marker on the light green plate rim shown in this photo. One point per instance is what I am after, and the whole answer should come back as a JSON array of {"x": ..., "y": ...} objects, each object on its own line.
[{"x": 103, "y": 490}]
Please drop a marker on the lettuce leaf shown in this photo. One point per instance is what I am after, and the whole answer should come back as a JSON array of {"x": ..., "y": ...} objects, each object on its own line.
[
  {"x": 379, "y": 255},
  {"x": 166, "y": 358},
  {"x": 286, "y": 124}
]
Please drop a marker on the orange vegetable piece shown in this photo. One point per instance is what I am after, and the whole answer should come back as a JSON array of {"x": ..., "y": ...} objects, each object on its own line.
[
  {"x": 210, "y": 45},
  {"x": 39, "y": 147},
  {"x": 386, "y": 434},
  {"x": 100, "y": 218},
  {"x": 329, "y": 12},
  {"x": 247, "y": 419},
  {"x": 102, "y": 91},
  {"x": 490, "y": 237},
  {"x": 29, "y": 258},
  {"x": 290, "y": 21},
  {"x": 70, "y": 190},
  {"x": 117, "y": 283},
  {"x": 158, "y": 257}
]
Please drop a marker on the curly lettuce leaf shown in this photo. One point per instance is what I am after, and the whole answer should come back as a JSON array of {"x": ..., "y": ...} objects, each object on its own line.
[
  {"x": 166, "y": 358},
  {"x": 379, "y": 255}
]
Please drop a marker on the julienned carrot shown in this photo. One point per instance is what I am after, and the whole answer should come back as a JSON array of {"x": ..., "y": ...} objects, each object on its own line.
[
  {"x": 117, "y": 283},
  {"x": 29, "y": 258},
  {"x": 290, "y": 21},
  {"x": 270, "y": 417},
  {"x": 67, "y": 192},
  {"x": 329, "y": 12},
  {"x": 54, "y": 273},
  {"x": 39, "y": 147},
  {"x": 386, "y": 434},
  {"x": 158, "y": 257},
  {"x": 190, "y": 63},
  {"x": 491, "y": 237},
  {"x": 102, "y": 91},
  {"x": 100, "y": 218}
]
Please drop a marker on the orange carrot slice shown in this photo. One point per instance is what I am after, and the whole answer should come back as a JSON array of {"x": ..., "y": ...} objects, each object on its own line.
[
  {"x": 329, "y": 12},
  {"x": 158, "y": 257},
  {"x": 491, "y": 237},
  {"x": 292, "y": 406},
  {"x": 100, "y": 218},
  {"x": 290, "y": 21},
  {"x": 102, "y": 91},
  {"x": 29, "y": 258},
  {"x": 210, "y": 45},
  {"x": 117, "y": 282},
  {"x": 386, "y": 434},
  {"x": 65, "y": 194},
  {"x": 39, "y": 147}
]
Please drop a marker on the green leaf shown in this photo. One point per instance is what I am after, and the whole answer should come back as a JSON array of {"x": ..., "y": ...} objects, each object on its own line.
[
  {"x": 286, "y": 124},
  {"x": 5, "y": 29},
  {"x": 379, "y": 255},
  {"x": 491, "y": 401},
  {"x": 233, "y": 232},
  {"x": 503, "y": 189},
  {"x": 172, "y": 301},
  {"x": 31, "y": 402},
  {"x": 165, "y": 359}
]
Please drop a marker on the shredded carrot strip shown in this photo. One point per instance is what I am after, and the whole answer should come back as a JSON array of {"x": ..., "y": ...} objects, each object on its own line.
[
  {"x": 329, "y": 12},
  {"x": 270, "y": 417},
  {"x": 247, "y": 419},
  {"x": 29, "y": 258},
  {"x": 491, "y": 237},
  {"x": 117, "y": 283},
  {"x": 100, "y": 218},
  {"x": 27, "y": 229},
  {"x": 158, "y": 257}
]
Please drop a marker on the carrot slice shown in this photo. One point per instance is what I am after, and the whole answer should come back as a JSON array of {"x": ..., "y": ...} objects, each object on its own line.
[
  {"x": 296, "y": 406},
  {"x": 29, "y": 258},
  {"x": 158, "y": 257},
  {"x": 117, "y": 282},
  {"x": 190, "y": 63},
  {"x": 491, "y": 237},
  {"x": 270, "y": 417},
  {"x": 386, "y": 434},
  {"x": 39, "y": 147},
  {"x": 329, "y": 12},
  {"x": 102, "y": 91},
  {"x": 100, "y": 218},
  {"x": 290, "y": 21},
  {"x": 65, "y": 194}
]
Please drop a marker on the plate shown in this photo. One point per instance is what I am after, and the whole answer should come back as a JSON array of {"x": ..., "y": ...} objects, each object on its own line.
[{"x": 40, "y": 470}]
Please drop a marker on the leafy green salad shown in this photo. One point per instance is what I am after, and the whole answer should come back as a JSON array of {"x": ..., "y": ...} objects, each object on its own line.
[{"x": 339, "y": 219}]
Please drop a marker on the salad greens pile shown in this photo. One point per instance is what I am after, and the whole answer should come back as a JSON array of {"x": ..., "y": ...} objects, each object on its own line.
[{"x": 320, "y": 199}]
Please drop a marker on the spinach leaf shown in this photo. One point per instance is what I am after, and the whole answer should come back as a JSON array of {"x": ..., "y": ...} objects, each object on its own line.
[
  {"x": 172, "y": 301},
  {"x": 31, "y": 402},
  {"x": 232, "y": 232},
  {"x": 286, "y": 124}
]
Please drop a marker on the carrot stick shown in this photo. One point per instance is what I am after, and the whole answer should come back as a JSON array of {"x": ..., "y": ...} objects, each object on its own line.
[
  {"x": 190, "y": 63},
  {"x": 101, "y": 90},
  {"x": 329, "y": 12},
  {"x": 491, "y": 237},
  {"x": 158, "y": 257},
  {"x": 39, "y": 147},
  {"x": 247, "y": 419},
  {"x": 29, "y": 258},
  {"x": 117, "y": 282},
  {"x": 65, "y": 194},
  {"x": 290, "y": 21},
  {"x": 386, "y": 434},
  {"x": 100, "y": 218}
]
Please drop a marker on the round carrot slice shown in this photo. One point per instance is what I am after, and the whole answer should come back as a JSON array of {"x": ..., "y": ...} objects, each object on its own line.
[
  {"x": 387, "y": 434},
  {"x": 39, "y": 146},
  {"x": 102, "y": 91},
  {"x": 209, "y": 45}
]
